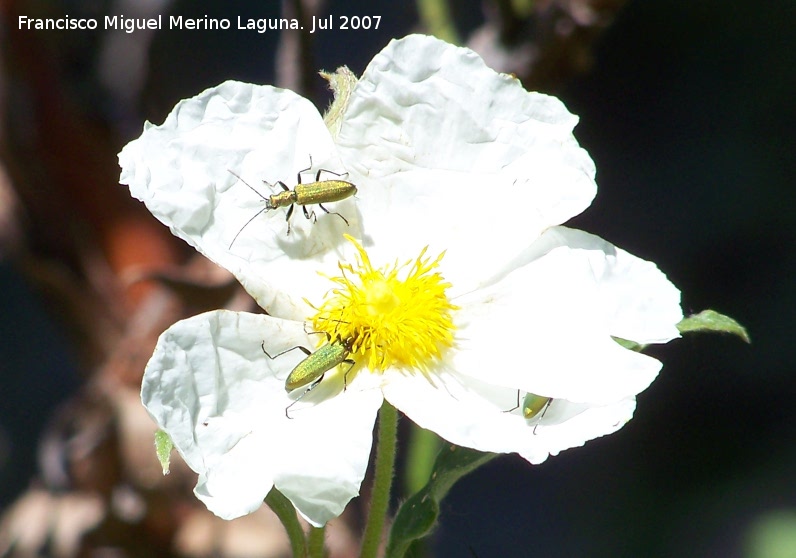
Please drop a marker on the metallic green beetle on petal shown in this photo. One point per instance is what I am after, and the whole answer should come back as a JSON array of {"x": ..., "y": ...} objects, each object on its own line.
[
  {"x": 310, "y": 193},
  {"x": 309, "y": 372},
  {"x": 534, "y": 404}
]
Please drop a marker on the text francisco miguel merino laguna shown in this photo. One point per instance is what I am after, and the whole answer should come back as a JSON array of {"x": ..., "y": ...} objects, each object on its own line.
[{"x": 130, "y": 24}]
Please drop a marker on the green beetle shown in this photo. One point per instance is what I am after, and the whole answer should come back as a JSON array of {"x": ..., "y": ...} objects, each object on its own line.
[
  {"x": 303, "y": 194},
  {"x": 308, "y": 373},
  {"x": 534, "y": 404}
]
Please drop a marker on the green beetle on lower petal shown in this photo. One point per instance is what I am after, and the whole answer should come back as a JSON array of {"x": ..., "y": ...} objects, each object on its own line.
[{"x": 534, "y": 404}]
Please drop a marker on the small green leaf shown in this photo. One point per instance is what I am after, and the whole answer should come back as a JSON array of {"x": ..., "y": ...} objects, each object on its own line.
[
  {"x": 631, "y": 345},
  {"x": 417, "y": 517},
  {"x": 710, "y": 320},
  {"x": 342, "y": 83},
  {"x": 163, "y": 447}
]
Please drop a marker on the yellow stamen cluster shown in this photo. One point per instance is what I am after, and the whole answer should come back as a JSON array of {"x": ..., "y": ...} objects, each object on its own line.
[{"x": 391, "y": 320}]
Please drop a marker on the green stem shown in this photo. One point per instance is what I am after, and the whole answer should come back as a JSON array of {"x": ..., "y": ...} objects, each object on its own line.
[
  {"x": 421, "y": 452},
  {"x": 315, "y": 542},
  {"x": 435, "y": 15},
  {"x": 382, "y": 481},
  {"x": 284, "y": 510}
]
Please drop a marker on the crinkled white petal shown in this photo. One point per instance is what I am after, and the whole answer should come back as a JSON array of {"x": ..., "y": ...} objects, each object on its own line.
[
  {"x": 181, "y": 171},
  {"x": 319, "y": 485},
  {"x": 222, "y": 401},
  {"x": 592, "y": 422},
  {"x": 482, "y": 417},
  {"x": 449, "y": 152},
  {"x": 544, "y": 329},
  {"x": 448, "y": 211},
  {"x": 638, "y": 302}
]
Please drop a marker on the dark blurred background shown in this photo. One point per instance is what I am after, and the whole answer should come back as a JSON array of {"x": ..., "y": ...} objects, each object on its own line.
[{"x": 687, "y": 109}]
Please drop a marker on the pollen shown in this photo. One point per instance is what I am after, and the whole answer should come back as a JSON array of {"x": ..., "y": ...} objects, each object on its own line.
[{"x": 398, "y": 315}]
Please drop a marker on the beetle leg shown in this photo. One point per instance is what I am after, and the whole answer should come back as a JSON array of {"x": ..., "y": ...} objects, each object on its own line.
[
  {"x": 309, "y": 214},
  {"x": 287, "y": 218},
  {"x": 334, "y": 213},
  {"x": 345, "y": 376},
  {"x": 305, "y": 350},
  {"x": 298, "y": 175},
  {"x": 310, "y": 387}
]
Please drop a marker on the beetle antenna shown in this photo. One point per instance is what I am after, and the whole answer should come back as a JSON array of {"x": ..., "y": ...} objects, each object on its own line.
[
  {"x": 247, "y": 223},
  {"x": 267, "y": 206},
  {"x": 267, "y": 201}
]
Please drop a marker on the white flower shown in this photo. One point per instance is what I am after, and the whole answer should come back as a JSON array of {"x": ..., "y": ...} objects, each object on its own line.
[{"x": 448, "y": 156}]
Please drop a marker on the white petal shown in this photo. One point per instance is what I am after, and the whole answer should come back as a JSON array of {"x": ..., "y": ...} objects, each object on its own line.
[
  {"x": 542, "y": 329},
  {"x": 460, "y": 416},
  {"x": 437, "y": 140},
  {"x": 222, "y": 400},
  {"x": 449, "y": 211},
  {"x": 333, "y": 469},
  {"x": 181, "y": 171},
  {"x": 592, "y": 422},
  {"x": 237, "y": 478},
  {"x": 478, "y": 416},
  {"x": 638, "y": 302}
]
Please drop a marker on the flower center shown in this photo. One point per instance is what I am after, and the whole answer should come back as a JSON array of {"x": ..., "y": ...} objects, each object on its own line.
[{"x": 392, "y": 317}]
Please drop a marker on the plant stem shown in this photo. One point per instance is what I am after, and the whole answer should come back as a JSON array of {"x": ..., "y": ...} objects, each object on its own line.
[
  {"x": 315, "y": 542},
  {"x": 422, "y": 449},
  {"x": 284, "y": 510},
  {"x": 382, "y": 481}
]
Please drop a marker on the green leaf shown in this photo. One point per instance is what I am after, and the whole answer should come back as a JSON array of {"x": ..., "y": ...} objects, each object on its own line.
[
  {"x": 631, "y": 345},
  {"x": 710, "y": 320},
  {"x": 417, "y": 517},
  {"x": 163, "y": 447}
]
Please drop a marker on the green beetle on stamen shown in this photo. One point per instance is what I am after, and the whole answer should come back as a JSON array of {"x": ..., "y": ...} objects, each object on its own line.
[{"x": 303, "y": 194}]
